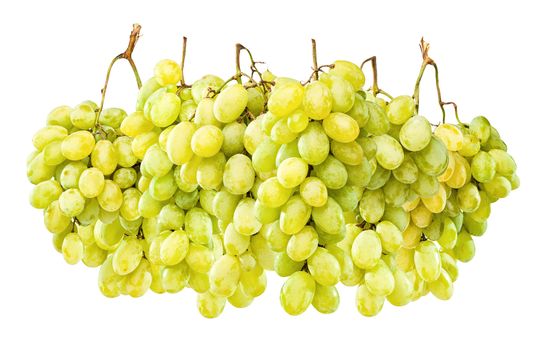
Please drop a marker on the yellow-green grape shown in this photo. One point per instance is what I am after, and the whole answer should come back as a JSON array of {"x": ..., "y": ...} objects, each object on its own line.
[
  {"x": 332, "y": 173},
  {"x": 342, "y": 92},
  {"x": 163, "y": 137},
  {"x": 421, "y": 216},
  {"x": 297, "y": 293},
  {"x": 206, "y": 200},
  {"x": 129, "y": 208},
  {"x": 495, "y": 141},
  {"x": 326, "y": 299},
  {"x": 256, "y": 101},
  {"x": 238, "y": 174},
  {"x": 442, "y": 287},
  {"x": 167, "y": 72},
  {"x": 292, "y": 171},
  {"x": 400, "y": 109},
  {"x": 174, "y": 248},
  {"x": 244, "y": 219},
  {"x": 427, "y": 261},
  {"x": 451, "y": 135},
  {"x": 210, "y": 171},
  {"x": 104, "y": 157},
  {"x": 201, "y": 87},
  {"x": 91, "y": 182},
  {"x": 396, "y": 193},
  {"x": 313, "y": 144},
  {"x": 89, "y": 215},
  {"x": 263, "y": 159},
  {"x": 206, "y": 141},
  {"x": 139, "y": 281},
  {"x": 264, "y": 214},
  {"x": 154, "y": 251},
  {"x": 210, "y": 305},
  {"x": 415, "y": 134},
  {"x": 83, "y": 116},
  {"x": 147, "y": 206},
  {"x": 149, "y": 87},
  {"x": 350, "y": 275},
  {"x": 348, "y": 197},
  {"x": 482, "y": 213},
  {"x": 263, "y": 254},
  {"x": 390, "y": 236},
  {"x": 359, "y": 175},
  {"x": 286, "y": 151},
  {"x": 70, "y": 174},
  {"x": 175, "y": 277},
  {"x": 404, "y": 259},
  {"x": 425, "y": 186},
  {"x": 156, "y": 161},
  {"x": 505, "y": 164},
  {"x": 188, "y": 110},
  {"x": 294, "y": 215},
  {"x": 401, "y": 295},
  {"x": 198, "y": 225},
  {"x": 108, "y": 280},
  {"x": 112, "y": 117},
  {"x": 378, "y": 123},
  {"x": 136, "y": 124},
  {"x": 224, "y": 205},
  {"x": 72, "y": 248},
  {"x": 349, "y": 153},
  {"x": 379, "y": 279},
  {"x": 433, "y": 159},
  {"x": 350, "y": 72},
  {"x": 470, "y": 145},
  {"x": 224, "y": 276},
  {"x": 372, "y": 205},
  {"x": 57, "y": 240},
  {"x": 368, "y": 304},
  {"x": 143, "y": 183},
  {"x": 359, "y": 111},
  {"x": 171, "y": 217},
  {"x": 111, "y": 198},
  {"x": 285, "y": 98},
  {"x": 235, "y": 243},
  {"x": 127, "y": 256},
  {"x": 240, "y": 299},
  {"x": 71, "y": 202},
  {"x": 52, "y": 153},
  {"x": 93, "y": 255},
  {"x": 254, "y": 281},
  {"x": 397, "y": 216},
  {"x": 483, "y": 167},
  {"x": 230, "y": 103},
  {"x": 281, "y": 133},
  {"x": 366, "y": 249},
  {"x": 186, "y": 200},
  {"x": 448, "y": 263},
  {"x": 341, "y": 127},
  {"x": 204, "y": 114},
  {"x": 124, "y": 177},
  {"x": 188, "y": 173},
  {"x": 368, "y": 146},
  {"x": 435, "y": 203},
  {"x": 449, "y": 234},
  {"x": 329, "y": 217},
  {"x": 142, "y": 142},
  {"x": 78, "y": 145},
  {"x": 480, "y": 127},
  {"x": 233, "y": 139},
  {"x": 198, "y": 281},
  {"x": 303, "y": 244},
  {"x": 60, "y": 116},
  {"x": 498, "y": 187},
  {"x": 272, "y": 194},
  {"x": 379, "y": 178},
  {"x": 156, "y": 279},
  {"x": 284, "y": 266},
  {"x": 268, "y": 121},
  {"x": 44, "y": 193},
  {"x": 124, "y": 153},
  {"x": 389, "y": 152},
  {"x": 297, "y": 121},
  {"x": 276, "y": 239},
  {"x": 473, "y": 227},
  {"x": 253, "y": 135},
  {"x": 461, "y": 174},
  {"x": 469, "y": 198}
]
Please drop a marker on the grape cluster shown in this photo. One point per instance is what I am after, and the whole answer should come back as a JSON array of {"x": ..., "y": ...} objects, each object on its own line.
[{"x": 209, "y": 185}]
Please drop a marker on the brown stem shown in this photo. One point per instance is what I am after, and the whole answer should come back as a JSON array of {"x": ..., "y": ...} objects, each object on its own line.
[
  {"x": 314, "y": 60},
  {"x": 375, "y": 89},
  {"x": 127, "y": 55},
  {"x": 182, "y": 64},
  {"x": 238, "y": 48},
  {"x": 317, "y": 69}
]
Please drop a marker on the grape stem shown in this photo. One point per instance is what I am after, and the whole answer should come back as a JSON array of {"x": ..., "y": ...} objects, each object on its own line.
[
  {"x": 182, "y": 63},
  {"x": 375, "y": 89},
  {"x": 253, "y": 67},
  {"x": 428, "y": 61},
  {"x": 314, "y": 60},
  {"x": 127, "y": 55},
  {"x": 315, "y": 72}
]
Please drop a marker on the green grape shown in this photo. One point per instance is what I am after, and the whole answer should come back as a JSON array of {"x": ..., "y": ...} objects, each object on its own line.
[
  {"x": 341, "y": 127},
  {"x": 78, "y": 145},
  {"x": 437, "y": 202},
  {"x": 129, "y": 208},
  {"x": 71, "y": 202},
  {"x": 367, "y": 144},
  {"x": 268, "y": 121},
  {"x": 90, "y": 213},
  {"x": 262, "y": 252},
  {"x": 230, "y": 103},
  {"x": 349, "y": 153},
  {"x": 281, "y": 133},
  {"x": 199, "y": 258},
  {"x": 108, "y": 280},
  {"x": 395, "y": 193},
  {"x": 433, "y": 159},
  {"x": 91, "y": 182},
  {"x": 240, "y": 299},
  {"x": 256, "y": 101},
  {"x": 111, "y": 198},
  {"x": 238, "y": 174},
  {"x": 329, "y": 217},
  {"x": 448, "y": 263},
  {"x": 167, "y": 72},
  {"x": 60, "y": 116},
  {"x": 379, "y": 279},
  {"x": 156, "y": 161},
  {"x": 254, "y": 281},
  {"x": 449, "y": 234},
  {"x": 123, "y": 150},
  {"x": 366, "y": 249},
  {"x": 359, "y": 111},
  {"x": 253, "y": 135},
  {"x": 224, "y": 276},
  {"x": 225, "y": 204},
  {"x": 233, "y": 139},
  {"x": 86, "y": 234},
  {"x": 347, "y": 197},
  {"x": 276, "y": 239},
  {"x": 139, "y": 281},
  {"x": 291, "y": 172},
  {"x": 70, "y": 174},
  {"x": 198, "y": 225},
  {"x": 294, "y": 215},
  {"x": 72, "y": 248},
  {"x": 378, "y": 123},
  {"x": 297, "y": 293},
  {"x": 108, "y": 236},
  {"x": 52, "y": 153},
  {"x": 494, "y": 142},
  {"x": 473, "y": 227},
  {"x": 359, "y": 175},
  {"x": 379, "y": 177},
  {"x": 142, "y": 142},
  {"x": 482, "y": 213},
  {"x": 178, "y": 147},
  {"x": 135, "y": 124},
  {"x": 264, "y": 214},
  {"x": 188, "y": 173},
  {"x": 372, "y": 205},
  {"x": 272, "y": 194},
  {"x": 171, "y": 217},
  {"x": 401, "y": 295},
  {"x": 390, "y": 236},
  {"x": 498, "y": 187},
  {"x": 480, "y": 127},
  {"x": 210, "y": 171},
  {"x": 421, "y": 216},
  {"x": 201, "y": 87},
  {"x": 313, "y": 144},
  {"x": 350, "y": 72},
  {"x": 164, "y": 108},
  {"x": 470, "y": 145},
  {"x": 401, "y": 109},
  {"x": 425, "y": 185},
  {"x": 285, "y": 266},
  {"x": 124, "y": 177},
  {"x": 147, "y": 206},
  {"x": 442, "y": 287},
  {"x": 44, "y": 193},
  {"x": 104, "y": 157},
  {"x": 198, "y": 281},
  {"x": 397, "y": 216},
  {"x": 451, "y": 135},
  {"x": 127, "y": 256},
  {"x": 210, "y": 305},
  {"x": 415, "y": 134},
  {"x": 174, "y": 248},
  {"x": 112, "y": 117},
  {"x": 389, "y": 152},
  {"x": 289, "y": 150},
  {"x": 263, "y": 158},
  {"x": 368, "y": 304},
  {"x": 186, "y": 200},
  {"x": 297, "y": 121},
  {"x": 342, "y": 92},
  {"x": 188, "y": 109},
  {"x": 483, "y": 167},
  {"x": 235, "y": 243},
  {"x": 285, "y": 98},
  {"x": 427, "y": 261},
  {"x": 332, "y": 173},
  {"x": 244, "y": 219},
  {"x": 326, "y": 299},
  {"x": 433, "y": 230},
  {"x": 324, "y": 267},
  {"x": 206, "y": 200},
  {"x": 303, "y": 244},
  {"x": 93, "y": 256},
  {"x": 469, "y": 198},
  {"x": 175, "y": 277},
  {"x": 83, "y": 116},
  {"x": 505, "y": 164}
]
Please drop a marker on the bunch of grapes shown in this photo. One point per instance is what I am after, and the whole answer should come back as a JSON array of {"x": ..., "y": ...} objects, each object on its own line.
[{"x": 206, "y": 186}]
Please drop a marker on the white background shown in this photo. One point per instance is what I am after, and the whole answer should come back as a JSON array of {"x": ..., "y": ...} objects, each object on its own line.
[{"x": 491, "y": 62}]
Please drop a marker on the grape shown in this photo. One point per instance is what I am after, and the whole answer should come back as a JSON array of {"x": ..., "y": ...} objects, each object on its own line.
[
  {"x": 332, "y": 173},
  {"x": 256, "y": 101},
  {"x": 209, "y": 305},
  {"x": 433, "y": 159},
  {"x": 281, "y": 133},
  {"x": 470, "y": 145},
  {"x": 235, "y": 243},
  {"x": 372, "y": 205},
  {"x": 297, "y": 293},
  {"x": 389, "y": 152},
  {"x": 175, "y": 277},
  {"x": 108, "y": 236},
  {"x": 401, "y": 109},
  {"x": 368, "y": 304},
  {"x": 329, "y": 217},
  {"x": 244, "y": 219},
  {"x": 72, "y": 248},
  {"x": 505, "y": 164},
  {"x": 198, "y": 225},
  {"x": 469, "y": 198},
  {"x": 174, "y": 248},
  {"x": 341, "y": 127},
  {"x": 199, "y": 258},
  {"x": 415, "y": 133},
  {"x": 83, "y": 116},
  {"x": 124, "y": 177},
  {"x": 342, "y": 92},
  {"x": 449, "y": 234},
  {"x": 498, "y": 187},
  {"x": 238, "y": 175},
  {"x": 366, "y": 249},
  {"x": 178, "y": 146},
  {"x": 230, "y": 103},
  {"x": 350, "y": 72},
  {"x": 401, "y": 295},
  {"x": 437, "y": 202},
  {"x": 104, "y": 157},
  {"x": 60, "y": 116},
  {"x": 378, "y": 123},
  {"x": 263, "y": 158},
  {"x": 111, "y": 198},
  {"x": 349, "y": 153},
  {"x": 390, "y": 236},
  {"x": 483, "y": 167},
  {"x": 127, "y": 256},
  {"x": 441, "y": 288},
  {"x": 167, "y": 72},
  {"x": 139, "y": 281},
  {"x": 149, "y": 87},
  {"x": 52, "y": 153},
  {"x": 313, "y": 144},
  {"x": 112, "y": 117},
  {"x": 427, "y": 261},
  {"x": 272, "y": 194},
  {"x": 285, "y": 98},
  {"x": 93, "y": 256},
  {"x": 324, "y": 267},
  {"x": 480, "y": 126},
  {"x": 253, "y": 135},
  {"x": 292, "y": 171},
  {"x": 44, "y": 193},
  {"x": 294, "y": 215},
  {"x": 210, "y": 172},
  {"x": 451, "y": 136},
  {"x": 233, "y": 139},
  {"x": 302, "y": 244},
  {"x": 78, "y": 145},
  {"x": 379, "y": 279},
  {"x": 71, "y": 202},
  {"x": 224, "y": 276}
]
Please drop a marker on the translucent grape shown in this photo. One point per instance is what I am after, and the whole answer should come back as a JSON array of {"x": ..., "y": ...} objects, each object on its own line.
[{"x": 297, "y": 293}]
